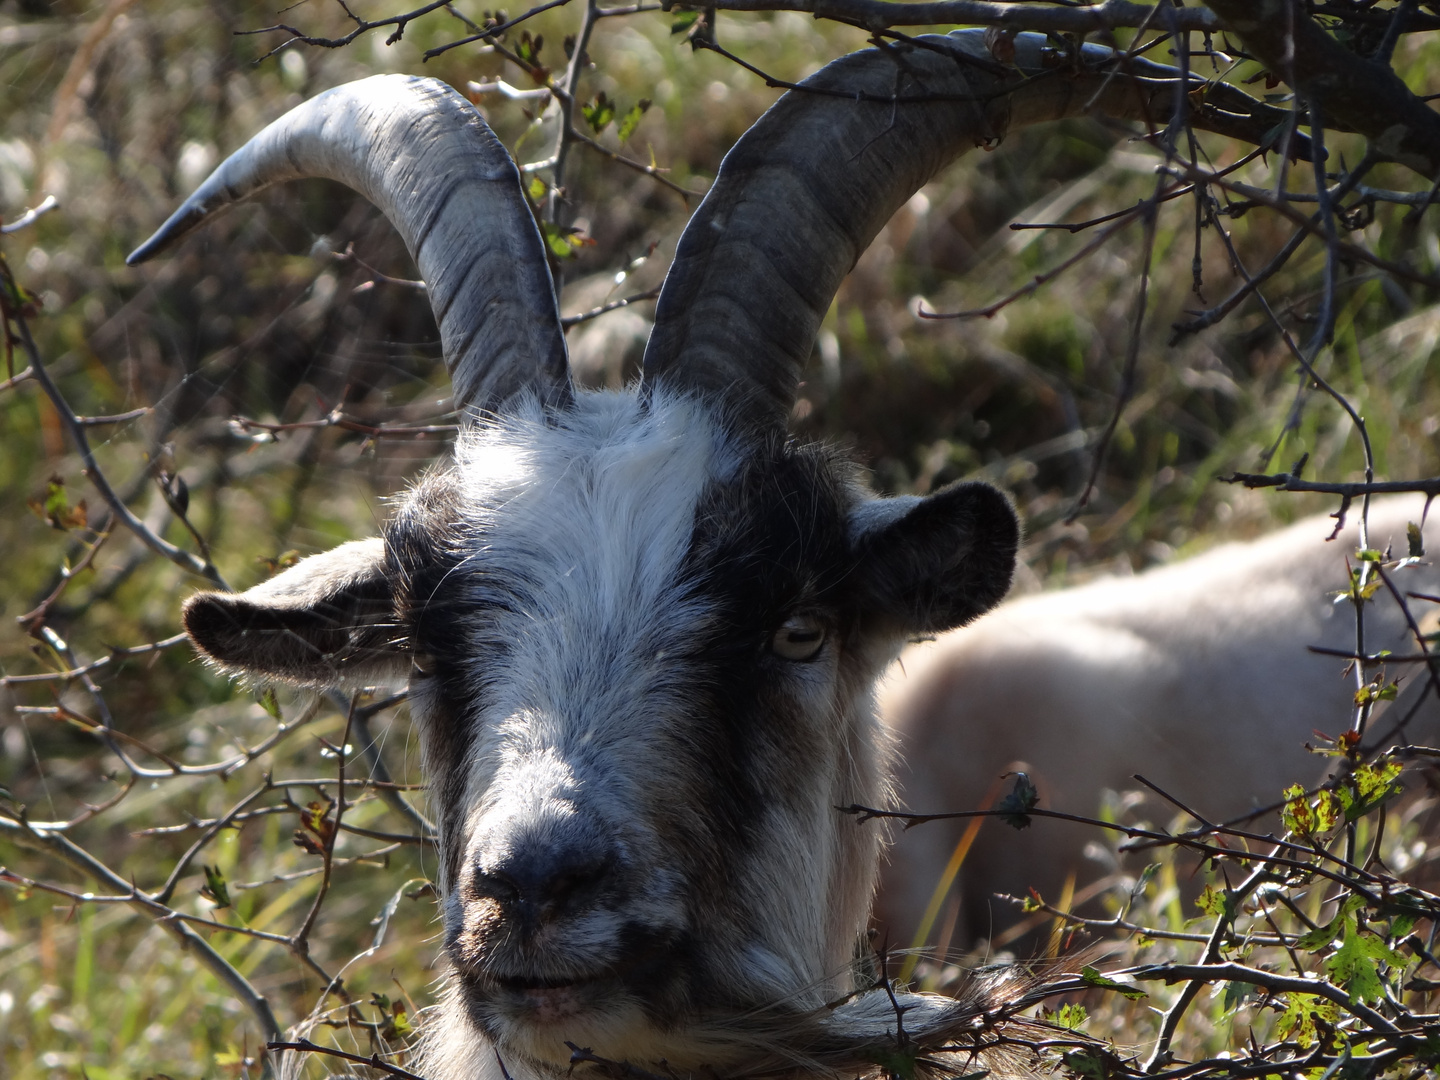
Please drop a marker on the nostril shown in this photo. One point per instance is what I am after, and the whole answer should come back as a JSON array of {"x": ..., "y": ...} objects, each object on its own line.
[
  {"x": 495, "y": 884},
  {"x": 576, "y": 885},
  {"x": 541, "y": 884}
]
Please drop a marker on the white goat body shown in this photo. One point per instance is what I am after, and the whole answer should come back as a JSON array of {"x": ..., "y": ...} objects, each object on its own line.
[{"x": 1196, "y": 675}]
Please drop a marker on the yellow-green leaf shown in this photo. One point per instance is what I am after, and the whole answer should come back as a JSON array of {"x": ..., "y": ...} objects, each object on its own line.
[
  {"x": 215, "y": 889},
  {"x": 1301, "y": 1011},
  {"x": 598, "y": 113},
  {"x": 269, "y": 702},
  {"x": 1090, "y": 977},
  {"x": 632, "y": 119}
]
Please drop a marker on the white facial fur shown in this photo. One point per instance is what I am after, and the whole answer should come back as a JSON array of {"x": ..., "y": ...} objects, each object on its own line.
[{"x": 580, "y": 622}]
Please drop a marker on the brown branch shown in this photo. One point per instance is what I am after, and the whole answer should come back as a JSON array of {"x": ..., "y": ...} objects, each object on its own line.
[
  {"x": 33, "y": 619},
  {"x": 337, "y": 419},
  {"x": 361, "y": 26},
  {"x": 1188, "y": 840},
  {"x": 1126, "y": 389},
  {"x": 78, "y": 858},
  {"x": 613, "y": 305},
  {"x": 1280, "y": 984},
  {"x": 878, "y": 14},
  {"x": 1091, "y": 246},
  {"x": 348, "y": 255},
  {"x": 1347, "y": 251},
  {"x": 1355, "y": 92},
  {"x": 652, "y": 171},
  {"x": 184, "y": 559},
  {"x": 75, "y": 673},
  {"x": 1290, "y": 482},
  {"x": 18, "y": 378},
  {"x": 489, "y": 33},
  {"x": 305, "y": 1046},
  {"x": 29, "y": 217},
  {"x": 1119, "y": 922}
]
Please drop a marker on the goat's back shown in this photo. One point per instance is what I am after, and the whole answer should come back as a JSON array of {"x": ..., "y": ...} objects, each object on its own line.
[{"x": 1196, "y": 675}]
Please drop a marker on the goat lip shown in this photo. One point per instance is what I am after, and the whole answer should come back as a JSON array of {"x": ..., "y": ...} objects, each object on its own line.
[
  {"x": 551, "y": 1001},
  {"x": 517, "y": 985}
]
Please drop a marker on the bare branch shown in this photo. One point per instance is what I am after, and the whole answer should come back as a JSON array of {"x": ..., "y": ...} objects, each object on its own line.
[
  {"x": 181, "y": 558},
  {"x": 878, "y": 14},
  {"x": 29, "y": 217},
  {"x": 1355, "y": 92},
  {"x": 1290, "y": 482}
]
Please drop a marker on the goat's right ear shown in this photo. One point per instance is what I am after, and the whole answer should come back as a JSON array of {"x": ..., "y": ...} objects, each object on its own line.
[
  {"x": 328, "y": 620},
  {"x": 926, "y": 565}
]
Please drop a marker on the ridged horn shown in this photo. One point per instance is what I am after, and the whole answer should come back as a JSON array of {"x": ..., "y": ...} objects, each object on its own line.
[
  {"x": 423, "y": 155},
  {"x": 799, "y": 198}
]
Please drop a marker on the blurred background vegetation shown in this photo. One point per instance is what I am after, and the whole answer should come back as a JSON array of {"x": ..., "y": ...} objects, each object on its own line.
[{"x": 120, "y": 108}]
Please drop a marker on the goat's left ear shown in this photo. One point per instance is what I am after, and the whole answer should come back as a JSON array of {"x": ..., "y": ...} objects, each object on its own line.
[
  {"x": 930, "y": 564},
  {"x": 327, "y": 621}
]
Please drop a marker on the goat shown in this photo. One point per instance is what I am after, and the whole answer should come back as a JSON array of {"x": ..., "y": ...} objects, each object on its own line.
[
  {"x": 641, "y": 628},
  {"x": 1196, "y": 675}
]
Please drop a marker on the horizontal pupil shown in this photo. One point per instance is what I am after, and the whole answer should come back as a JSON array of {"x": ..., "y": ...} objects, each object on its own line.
[{"x": 803, "y": 637}]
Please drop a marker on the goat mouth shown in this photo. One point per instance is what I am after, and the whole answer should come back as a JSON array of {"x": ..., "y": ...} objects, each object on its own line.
[
  {"x": 545, "y": 1002},
  {"x": 546, "y": 998},
  {"x": 518, "y": 985}
]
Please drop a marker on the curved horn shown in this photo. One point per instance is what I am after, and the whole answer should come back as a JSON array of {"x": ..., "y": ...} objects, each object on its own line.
[
  {"x": 804, "y": 191},
  {"x": 422, "y": 154}
]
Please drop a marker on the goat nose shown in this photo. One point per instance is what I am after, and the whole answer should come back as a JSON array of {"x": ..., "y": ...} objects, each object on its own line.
[{"x": 539, "y": 884}]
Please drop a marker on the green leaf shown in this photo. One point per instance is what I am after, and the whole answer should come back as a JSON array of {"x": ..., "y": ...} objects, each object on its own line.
[
  {"x": 528, "y": 50},
  {"x": 1376, "y": 691},
  {"x": 1307, "y": 817},
  {"x": 1091, "y": 977},
  {"x": 215, "y": 889},
  {"x": 683, "y": 21},
  {"x": 1236, "y": 994},
  {"x": 269, "y": 702},
  {"x": 1401, "y": 925},
  {"x": 896, "y": 1063},
  {"x": 1369, "y": 786},
  {"x": 55, "y": 510},
  {"x": 1370, "y": 555},
  {"x": 400, "y": 1019},
  {"x": 632, "y": 119},
  {"x": 1301, "y": 1012},
  {"x": 537, "y": 189},
  {"x": 1014, "y": 808},
  {"x": 558, "y": 241},
  {"x": 1071, "y": 1016},
  {"x": 1213, "y": 901},
  {"x": 394, "y": 1018},
  {"x": 1089, "y": 1064},
  {"x": 1321, "y": 936},
  {"x": 1356, "y": 591},
  {"x": 599, "y": 113},
  {"x": 1356, "y": 963},
  {"x": 1415, "y": 542}
]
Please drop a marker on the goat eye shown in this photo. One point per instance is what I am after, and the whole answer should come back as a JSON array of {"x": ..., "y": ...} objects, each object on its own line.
[{"x": 800, "y": 638}]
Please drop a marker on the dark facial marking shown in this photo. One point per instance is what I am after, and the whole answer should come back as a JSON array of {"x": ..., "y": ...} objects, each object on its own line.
[
  {"x": 424, "y": 544},
  {"x": 767, "y": 544}
]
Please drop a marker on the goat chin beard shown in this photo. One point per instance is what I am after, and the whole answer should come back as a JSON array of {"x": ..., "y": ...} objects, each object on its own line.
[{"x": 616, "y": 1030}]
